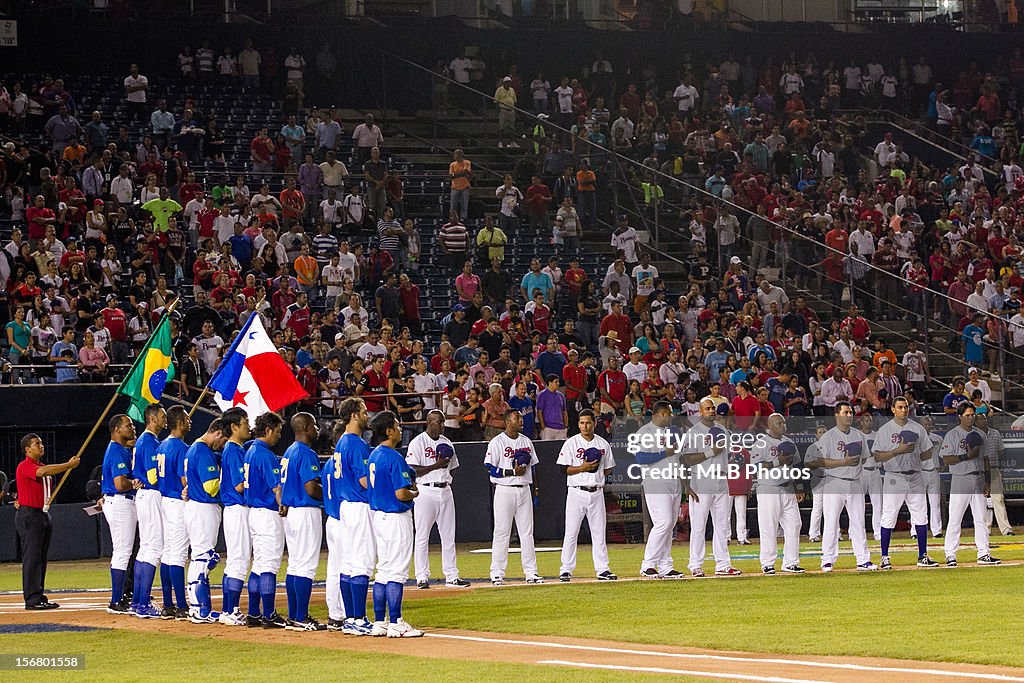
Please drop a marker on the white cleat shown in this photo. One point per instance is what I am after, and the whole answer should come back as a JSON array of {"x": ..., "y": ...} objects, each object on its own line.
[
  {"x": 379, "y": 629},
  {"x": 401, "y": 629},
  {"x": 236, "y": 618}
]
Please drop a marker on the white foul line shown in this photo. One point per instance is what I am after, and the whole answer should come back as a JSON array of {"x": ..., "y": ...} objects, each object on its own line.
[
  {"x": 681, "y": 672},
  {"x": 727, "y": 658}
]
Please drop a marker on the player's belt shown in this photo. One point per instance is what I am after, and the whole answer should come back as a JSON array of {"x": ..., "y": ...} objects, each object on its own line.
[
  {"x": 438, "y": 485},
  {"x": 905, "y": 473},
  {"x": 513, "y": 486},
  {"x": 129, "y": 496},
  {"x": 967, "y": 474},
  {"x": 832, "y": 476},
  {"x": 870, "y": 469},
  {"x": 588, "y": 489},
  {"x": 927, "y": 469}
]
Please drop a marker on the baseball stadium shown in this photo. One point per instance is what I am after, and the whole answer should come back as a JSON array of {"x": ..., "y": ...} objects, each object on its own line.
[{"x": 530, "y": 340}]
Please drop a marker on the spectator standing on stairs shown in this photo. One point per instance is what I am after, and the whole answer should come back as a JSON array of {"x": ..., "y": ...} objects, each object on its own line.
[
  {"x": 375, "y": 172},
  {"x": 460, "y": 172}
]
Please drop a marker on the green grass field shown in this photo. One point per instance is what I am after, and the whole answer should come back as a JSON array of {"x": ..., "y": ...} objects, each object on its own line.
[{"x": 940, "y": 614}]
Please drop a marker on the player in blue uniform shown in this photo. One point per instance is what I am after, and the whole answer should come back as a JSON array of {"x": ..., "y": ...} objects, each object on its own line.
[
  {"x": 392, "y": 490},
  {"x": 266, "y": 524},
  {"x": 303, "y": 522},
  {"x": 119, "y": 506},
  {"x": 170, "y": 467},
  {"x": 236, "y": 514},
  {"x": 329, "y": 475},
  {"x": 358, "y": 549},
  {"x": 147, "y": 509},
  {"x": 202, "y": 519}
]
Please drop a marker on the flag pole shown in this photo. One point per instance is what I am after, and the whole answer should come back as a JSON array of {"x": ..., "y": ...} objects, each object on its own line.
[
  {"x": 99, "y": 420},
  {"x": 206, "y": 389}
]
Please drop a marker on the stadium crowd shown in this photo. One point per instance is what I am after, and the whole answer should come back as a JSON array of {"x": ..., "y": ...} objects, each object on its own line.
[{"x": 111, "y": 220}]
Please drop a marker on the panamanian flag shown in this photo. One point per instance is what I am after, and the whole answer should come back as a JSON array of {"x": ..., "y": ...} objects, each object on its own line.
[{"x": 253, "y": 376}]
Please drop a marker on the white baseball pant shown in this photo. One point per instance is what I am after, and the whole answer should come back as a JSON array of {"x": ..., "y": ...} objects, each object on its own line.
[
  {"x": 202, "y": 521},
  {"x": 512, "y": 502},
  {"x": 267, "y": 530},
  {"x": 435, "y": 506},
  {"x": 151, "y": 526},
  {"x": 958, "y": 504},
  {"x": 900, "y": 489},
  {"x": 663, "y": 508},
  {"x": 119, "y": 512},
  {"x": 716, "y": 506},
  {"x": 175, "y": 534},
  {"x": 335, "y": 605},
  {"x": 739, "y": 505},
  {"x": 832, "y": 507},
  {"x": 238, "y": 541},
  {"x": 873, "y": 482},
  {"x": 358, "y": 546},
  {"x": 304, "y": 534},
  {"x": 580, "y": 504},
  {"x": 998, "y": 503},
  {"x": 773, "y": 509},
  {"x": 394, "y": 536},
  {"x": 817, "y": 510}
]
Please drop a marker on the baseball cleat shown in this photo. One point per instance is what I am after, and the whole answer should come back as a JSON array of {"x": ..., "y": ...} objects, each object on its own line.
[
  {"x": 379, "y": 629},
  {"x": 423, "y": 585},
  {"x": 793, "y": 569},
  {"x": 147, "y": 612},
  {"x": 309, "y": 624},
  {"x": 938, "y": 535},
  {"x": 275, "y": 620},
  {"x": 768, "y": 570},
  {"x": 456, "y": 583},
  {"x": 401, "y": 629},
  {"x": 235, "y": 618},
  {"x": 181, "y": 614},
  {"x": 358, "y": 627},
  {"x": 650, "y": 573},
  {"x": 565, "y": 577},
  {"x": 950, "y": 561},
  {"x": 886, "y": 564},
  {"x": 673, "y": 574},
  {"x": 606, "y": 575},
  {"x": 534, "y": 579},
  {"x": 731, "y": 571},
  {"x": 1009, "y": 533},
  {"x": 117, "y": 608},
  {"x": 697, "y": 573},
  {"x": 814, "y": 539},
  {"x": 867, "y": 567},
  {"x": 210, "y": 618},
  {"x": 988, "y": 559},
  {"x": 253, "y": 621},
  {"x": 497, "y": 581},
  {"x": 926, "y": 561},
  {"x": 827, "y": 567},
  {"x": 744, "y": 542},
  {"x": 131, "y": 609},
  {"x": 335, "y": 624}
]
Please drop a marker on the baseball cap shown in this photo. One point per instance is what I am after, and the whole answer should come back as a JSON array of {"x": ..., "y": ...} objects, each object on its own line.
[
  {"x": 972, "y": 371},
  {"x": 634, "y": 349},
  {"x": 111, "y": 297},
  {"x": 735, "y": 259},
  {"x": 339, "y": 336},
  {"x": 507, "y": 79},
  {"x": 458, "y": 307}
]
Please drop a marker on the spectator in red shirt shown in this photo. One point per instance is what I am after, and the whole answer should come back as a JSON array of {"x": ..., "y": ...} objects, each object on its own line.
[
  {"x": 117, "y": 323},
  {"x": 293, "y": 202},
  {"x": 612, "y": 387},
  {"x": 859, "y": 328},
  {"x": 745, "y": 407},
  {"x": 620, "y": 323},
  {"x": 283, "y": 298},
  {"x": 261, "y": 150},
  {"x": 409, "y": 296},
  {"x": 38, "y": 218},
  {"x": 373, "y": 387},
  {"x": 538, "y": 201},
  {"x": 189, "y": 190}
]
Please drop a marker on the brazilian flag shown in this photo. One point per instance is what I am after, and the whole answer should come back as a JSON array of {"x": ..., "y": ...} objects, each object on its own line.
[{"x": 150, "y": 373}]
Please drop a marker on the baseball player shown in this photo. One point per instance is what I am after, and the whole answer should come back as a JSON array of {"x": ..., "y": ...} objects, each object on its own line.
[
  {"x": 963, "y": 450},
  {"x": 662, "y": 495},
  {"x": 235, "y": 423},
  {"x": 817, "y": 483},
  {"x": 202, "y": 519},
  {"x": 901, "y": 445},
  {"x": 266, "y": 525},
  {"x": 119, "y": 506},
  {"x": 301, "y": 506},
  {"x": 994, "y": 452},
  {"x": 872, "y": 472},
  {"x": 586, "y": 459},
  {"x": 147, "y": 509},
  {"x": 432, "y": 457},
  {"x": 932, "y": 483},
  {"x": 509, "y": 460},
  {"x": 391, "y": 493},
  {"x": 778, "y": 502},
  {"x": 841, "y": 452},
  {"x": 330, "y": 473},
  {"x": 170, "y": 470},
  {"x": 358, "y": 550},
  {"x": 707, "y": 457}
]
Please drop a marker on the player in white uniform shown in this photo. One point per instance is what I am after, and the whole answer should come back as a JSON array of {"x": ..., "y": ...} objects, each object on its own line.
[
  {"x": 707, "y": 456},
  {"x": 662, "y": 494},
  {"x": 817, "y": 486},
  {"x": 432, "y": 457},
  {"x": 171, "y": 479},
  {"x": 963, "y": 451},
  {"x": 994, "y": 452},
  {"x": 841, "y": 451},
  {"x": 202, "y": 519},
  {"x": 237, "y": 539},
  {"x": 872, "y": 474},
  {"x": 586, "y": 459},
  {"x": 932, "y": 483},
  {"x": 329, "y": 475},
  {"x": 510, "y": 460},
  {"x": 901, "y": 445},
  {"x": 778, "y": 502}
]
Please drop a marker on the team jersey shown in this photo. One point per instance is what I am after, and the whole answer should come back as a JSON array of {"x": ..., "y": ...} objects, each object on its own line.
[
  {"x": 298, "y": 466},
  {"x": 870, "y": 437},
  {"x": 170, "y": 466},
  {"x": 232, "y": 473},
  {"x": 955, "y": 443},
  {"x": 144, "y": 460},
  {"x": 329, "y": 475},
  {"x": 388, "y": 473},
  {"x": 765, "y": 453},
  {"x": 501, "y": 453},
  {"x": 887, "y": 438},
  {"x": 832, "y": 446},
  {"x": 354, "y": 460},
  {"x": 202, "y": 472},
  {"x": 649, "y": 460},
  {"x": 708, "y": 476},
  {"x": 117, "y": 462},
  {"x": 571, "y": 455},
  {"x": 422, "y": 452},
  {"x": 262, "y": 476}
]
